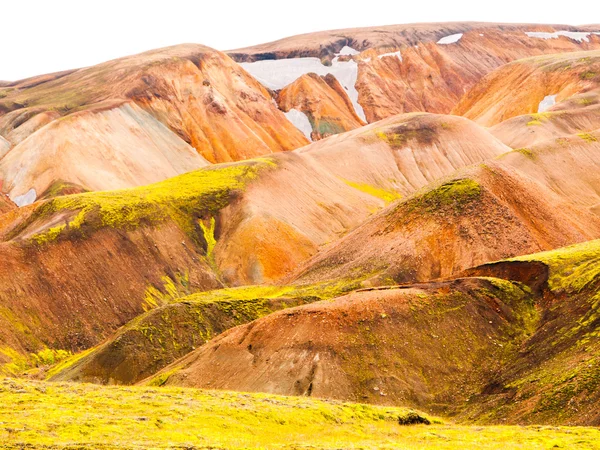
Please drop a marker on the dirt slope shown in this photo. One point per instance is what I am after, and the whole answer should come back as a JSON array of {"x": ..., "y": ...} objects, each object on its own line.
[
  {"x": 519, "y": 88},
  {"x": 177, "y": 326},
  {"x": 171, "y": 108},
  {"x": 485, "y": 213},
  {"x": 489, "y": 349},
  {"x": 430, "y": 345}
]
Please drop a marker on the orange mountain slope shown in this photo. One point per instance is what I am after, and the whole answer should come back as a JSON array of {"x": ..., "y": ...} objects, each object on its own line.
[
  {"x": 530, "y": 86},
  {"x": 325, "y": 103},
  {"x": 406, "y": 68},
  {"x": 247, "y": 223},
  {"x": 517, "y": 204},
  {"x": 136, "y": 120}
]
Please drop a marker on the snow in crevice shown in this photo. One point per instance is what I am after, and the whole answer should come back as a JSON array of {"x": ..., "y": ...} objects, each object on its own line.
[
  {"x": 300, "y": 121},
  {"x": 278, "y": 73},
  {"x": 579, "y": 36},
  {"x": 347, "y": 51},
  {"x": 548, "y": 102},
  {"x": 384, "y": 55},
  {"x": 452, "y": 39},
  {"x": 26, "y": 199}
]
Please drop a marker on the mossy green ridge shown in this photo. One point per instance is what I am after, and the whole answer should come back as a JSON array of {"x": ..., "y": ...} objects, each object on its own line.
[
  {"x": 571, "y": 268},
  {"x": 61, "y": 415},
  {"x": 555, "y": 378},
  {"x": 451, "y": 196},
  {"x": 175, "y": 326},
  {"x": 184, "y": 199}
]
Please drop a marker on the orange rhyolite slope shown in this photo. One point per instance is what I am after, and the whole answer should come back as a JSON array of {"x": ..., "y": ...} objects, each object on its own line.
[
  {"x": 135, "y": 120},
  {"x": 419, "y": 67},
  {"x": 325, "y": 103},
  {"x": 531, "y": 86}
]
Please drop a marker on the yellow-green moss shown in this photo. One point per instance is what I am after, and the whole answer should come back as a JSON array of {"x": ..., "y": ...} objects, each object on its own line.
[
  {"x": 588, "y": 137},
  {"x": 172, "y": 289},
  {"x": 571, "y": 268},
  {"x": 37, "y": 414},
  {"x": 20, "y": 363},
  {"x": 183, "y": 199},
  {"x": 383, "y": 194},
  {"x": 453, "y": 195},
  {"x": 539, "y": 118}
]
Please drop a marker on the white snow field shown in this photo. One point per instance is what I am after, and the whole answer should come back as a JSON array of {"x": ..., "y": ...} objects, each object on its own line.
[
  {"x": 278, "y": 73},
  {"x": 548, "y": 102},
  {"x": 26, "y": 199},
  {"x": 300, "y": 121},
  {"x": 451, "y": 39},
  {"x": 579, "y": 36}
]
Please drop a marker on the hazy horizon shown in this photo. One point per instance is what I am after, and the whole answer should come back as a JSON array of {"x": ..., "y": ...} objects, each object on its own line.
[{"x": 67, "y": 34}]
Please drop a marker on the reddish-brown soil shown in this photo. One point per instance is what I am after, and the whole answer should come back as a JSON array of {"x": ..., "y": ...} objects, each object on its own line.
[{"x": 430, "y": 346}]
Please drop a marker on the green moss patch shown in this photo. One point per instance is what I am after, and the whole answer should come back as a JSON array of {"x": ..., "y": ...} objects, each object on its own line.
[
  {"x": 57, "y": 415},
  {"x": 572, "y": 268},
  {"x": 452, "y": 196},
  {"x": 184, "y": 199}
]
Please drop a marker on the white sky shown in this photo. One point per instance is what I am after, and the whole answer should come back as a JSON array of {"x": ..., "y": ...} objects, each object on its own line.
[{"x": 41, "y": 36}]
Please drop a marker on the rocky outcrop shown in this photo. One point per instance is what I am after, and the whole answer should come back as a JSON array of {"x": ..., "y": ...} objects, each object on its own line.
[{"x": 325, "y": 103}]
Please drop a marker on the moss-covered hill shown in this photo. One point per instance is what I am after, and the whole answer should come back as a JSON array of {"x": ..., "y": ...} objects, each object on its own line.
[
  {"x": 556, "y": 375},
  {"x": 174, "y": 326}
]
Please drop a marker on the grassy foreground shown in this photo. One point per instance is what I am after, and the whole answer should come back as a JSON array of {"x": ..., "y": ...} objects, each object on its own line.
[{"x": 78, "y": 416}]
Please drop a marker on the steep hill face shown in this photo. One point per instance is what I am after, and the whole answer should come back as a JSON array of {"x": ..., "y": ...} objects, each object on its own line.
[
  {"x": 314, "y": 198},
  {"x": 488, "y": 212},
  {"x": 556, "y": 374},
  {"x": 579, "y": 114},
  {"x": 5, "y": 204},
  {"x": 430, "y": 345},
  {"x": 530, "y": 86},
  {"x": 406, "y": 68},
  {"x": 144, "y": 118},
  {"x": 567, "y": 166},
  {"x": 247, "y": 223},
  {"x": 512, "y": 341},
  {"x": 323, "y": 101}
]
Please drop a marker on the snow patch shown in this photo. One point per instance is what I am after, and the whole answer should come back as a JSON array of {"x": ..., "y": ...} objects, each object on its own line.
[
  {"x": 452, "y": 39},
  {"x": 26, "y": 199},
  {"x": 384, "y": 55},
  {"x": 579, "y": 36},
  {"x": 300, "y": 121},
  {"x": 548, "y": 102},
  {"x": 347, "y": 51},
  {"x": 481, "y": 34},
  {"x": 4, "y": 147},
  {"x": 278, "y": 73},
  {"x": 367, "y": 60}
]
